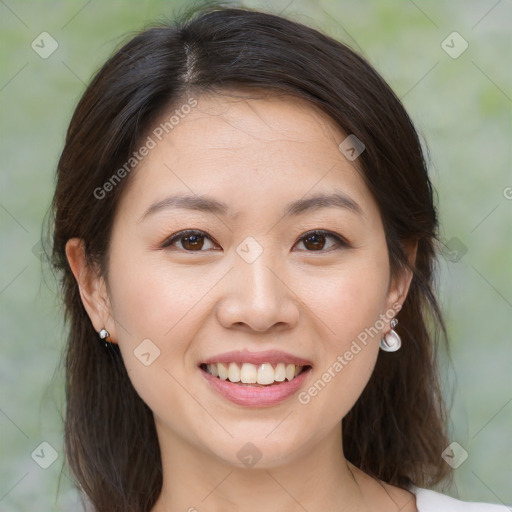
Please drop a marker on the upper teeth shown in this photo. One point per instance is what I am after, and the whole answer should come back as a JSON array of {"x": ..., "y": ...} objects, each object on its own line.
[{"x": 251, "y": 374}]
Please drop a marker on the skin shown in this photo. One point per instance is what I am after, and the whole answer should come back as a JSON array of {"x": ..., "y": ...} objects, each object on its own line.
[{"x": 257, "y": 153}]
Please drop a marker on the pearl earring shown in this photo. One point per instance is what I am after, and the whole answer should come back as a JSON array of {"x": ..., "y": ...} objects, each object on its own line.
[
  {"x": 105, "y": 337},
  {"x": 391, "y": 341}
]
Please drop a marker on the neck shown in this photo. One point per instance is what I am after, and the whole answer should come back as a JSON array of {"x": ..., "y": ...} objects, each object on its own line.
[{"x": 318, "y": 478}]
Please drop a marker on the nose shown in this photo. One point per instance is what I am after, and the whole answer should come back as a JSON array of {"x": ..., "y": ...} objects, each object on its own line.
[{"x": 256, "y": 296}]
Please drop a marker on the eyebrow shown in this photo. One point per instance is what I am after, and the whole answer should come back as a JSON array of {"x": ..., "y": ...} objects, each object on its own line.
[{"x": 210, "y": 205}]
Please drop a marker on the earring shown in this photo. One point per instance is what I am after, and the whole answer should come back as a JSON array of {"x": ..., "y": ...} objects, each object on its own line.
[
  {"x": 391, "y": 341},
  {"x": 105, "y": 337}
]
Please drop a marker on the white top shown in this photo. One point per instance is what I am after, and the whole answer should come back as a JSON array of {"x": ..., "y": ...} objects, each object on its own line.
[{"x": 431, "y": 501}]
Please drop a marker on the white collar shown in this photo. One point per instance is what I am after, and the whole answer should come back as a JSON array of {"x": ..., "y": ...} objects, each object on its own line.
[{"x": 431, "y": 501}]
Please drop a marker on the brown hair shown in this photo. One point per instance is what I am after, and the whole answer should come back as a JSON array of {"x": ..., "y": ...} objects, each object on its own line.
[{"x": 396, "y": 430}]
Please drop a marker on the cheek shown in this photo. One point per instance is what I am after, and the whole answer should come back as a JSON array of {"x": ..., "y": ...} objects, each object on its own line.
[
  {"x": 156, "y": 321},
  {"x": 349, "y": 306},
  {"x": 349, "y": 300},
  {"x": 154, "y": 298},
  {"x": 158, "y": 309}
]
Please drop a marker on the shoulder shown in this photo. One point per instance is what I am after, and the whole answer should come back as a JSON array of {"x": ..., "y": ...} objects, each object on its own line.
[{"x": 431, "y": 501}]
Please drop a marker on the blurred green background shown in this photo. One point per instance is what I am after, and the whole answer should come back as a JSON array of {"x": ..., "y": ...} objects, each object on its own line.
[{"x": 462, "y": 108}]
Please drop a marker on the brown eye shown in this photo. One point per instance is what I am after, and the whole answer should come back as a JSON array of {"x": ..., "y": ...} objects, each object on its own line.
[
  {"x": 315, "y": 241},
  {"x": 193, "y": 242},
  {"x": 190, "y": 241}
]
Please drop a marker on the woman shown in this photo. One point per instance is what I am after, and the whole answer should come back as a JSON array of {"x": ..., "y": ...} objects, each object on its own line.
[{"x": 246, "y": 233}]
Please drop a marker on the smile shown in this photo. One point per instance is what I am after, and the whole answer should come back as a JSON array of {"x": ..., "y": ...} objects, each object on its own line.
[
  {"x": 264, "y": 374},
  {"x": 255, "y": 379}
]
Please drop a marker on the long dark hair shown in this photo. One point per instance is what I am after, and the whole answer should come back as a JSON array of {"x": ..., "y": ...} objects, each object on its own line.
[{"x": 396, "y": 430}]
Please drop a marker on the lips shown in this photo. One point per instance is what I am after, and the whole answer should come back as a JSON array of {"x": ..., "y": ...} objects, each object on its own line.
[
  {"x": 271, "y": 356},
  {"x": 256, "y": 378}
]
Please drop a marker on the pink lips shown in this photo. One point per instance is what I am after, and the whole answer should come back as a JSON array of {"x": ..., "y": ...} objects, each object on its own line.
[
  {"x": 257, "y": 395},
  {"x": 269, "y": 356}
]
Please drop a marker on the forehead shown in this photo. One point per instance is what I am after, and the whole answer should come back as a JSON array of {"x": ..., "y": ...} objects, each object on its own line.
[
  {"x": 245, "y": 146},
  {"x": 262, "y": 120},
  {"x": 262, "y": 117}
]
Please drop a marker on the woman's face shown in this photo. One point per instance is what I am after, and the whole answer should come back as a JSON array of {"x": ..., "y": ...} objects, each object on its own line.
[{"x": 249, "y": 285}]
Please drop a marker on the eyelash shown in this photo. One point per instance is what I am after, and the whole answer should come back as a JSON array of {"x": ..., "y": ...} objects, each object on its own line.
[{"x": 341, "y": 242}]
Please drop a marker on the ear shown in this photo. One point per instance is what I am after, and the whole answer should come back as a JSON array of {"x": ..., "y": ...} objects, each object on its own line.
[
  {"x": 399, "y": 285},
  {"x": 92, "y": 287}
]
